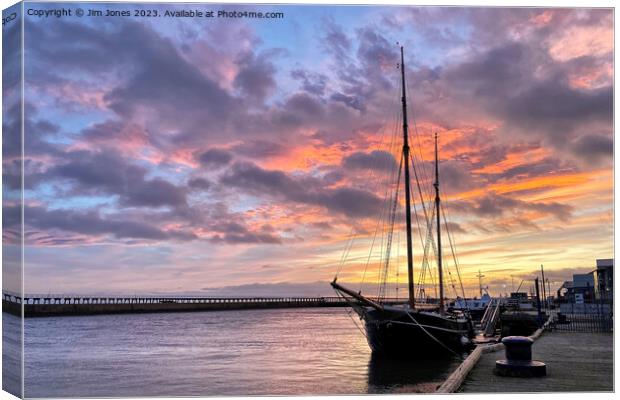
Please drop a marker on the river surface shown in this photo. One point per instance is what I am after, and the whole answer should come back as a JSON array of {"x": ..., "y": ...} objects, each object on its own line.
[{"x": 306, "y": 351}]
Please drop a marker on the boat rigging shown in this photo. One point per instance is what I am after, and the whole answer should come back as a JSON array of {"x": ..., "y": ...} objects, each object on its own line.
[{"x": 413, "y": 328}]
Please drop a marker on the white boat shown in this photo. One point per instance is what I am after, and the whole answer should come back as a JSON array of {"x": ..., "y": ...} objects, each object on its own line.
[{"x": 475, "y": 306}]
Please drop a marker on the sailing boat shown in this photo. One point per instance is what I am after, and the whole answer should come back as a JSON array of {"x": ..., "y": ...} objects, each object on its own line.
[{"x": 410, "y": 329}]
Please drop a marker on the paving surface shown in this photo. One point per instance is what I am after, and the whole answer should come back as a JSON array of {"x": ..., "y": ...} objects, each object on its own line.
[{"x": 576, "y": 362}]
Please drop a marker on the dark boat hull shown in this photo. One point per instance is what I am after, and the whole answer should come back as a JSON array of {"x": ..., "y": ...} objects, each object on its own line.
[{"x": 416, "y": 333}]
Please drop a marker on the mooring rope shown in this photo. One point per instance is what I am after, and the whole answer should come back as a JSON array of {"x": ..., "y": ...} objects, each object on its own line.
[
  {"x": 348, "y": 310},
  {"x": 432, "y": 337}
]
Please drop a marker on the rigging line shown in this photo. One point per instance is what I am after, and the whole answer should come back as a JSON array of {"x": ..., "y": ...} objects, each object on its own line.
[
  {"x": 409, "y": 134},
  {"x": 451, "y": 278},
  {"x": 429, "y": 223},
  {"x": 429, "y": 334},
  {"x": 429, "y": 237},
  {"x": 348, "y": 310},
  {"x": 452, "y": 285},
  {"x": 346, "y": 251},
  {"x": 353, "y": 234},
  {"x": 380, "y": 256},
  {"x": 447, "y": 266},
  {"x": 384, "y": 208},
  {"x": 397, "y": 261},
  {"x": 425, "y": 258},
  {"x": 445, "y": 211},
  {"x": 386, "y": 238},
  {"x": 426, "y": 267},
  {"x": 452, "y": 247},
  {"x": 423, "y": 206},
  {"x": 433, "y": 327},
  {"x": 417, "y": 134},
  {"x": 386, "y": 204},
  {"x": 422, "y": 274},
  {"x": 391, "y": 227},
  {"x": 390, "y": 235},
  {"x": 424, "y": 173},
  {"x": 419, "y": 147},
  {"x": 426, "y": 187},
  {"x": 372, "y": 245},
  {"x": 390, "y": 189},
  {"x": 415, "y": 173},
  {"x": 381, "y": 217},
  {"x": 430, "y": 240},
  {"x": 445, "y": 215}
]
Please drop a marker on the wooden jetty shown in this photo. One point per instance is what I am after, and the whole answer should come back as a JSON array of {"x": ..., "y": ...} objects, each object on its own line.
[
  {"x": 455, "y": 380},
  {"x": 62, "y": 305},
  {"x": 576, "y": 361}
]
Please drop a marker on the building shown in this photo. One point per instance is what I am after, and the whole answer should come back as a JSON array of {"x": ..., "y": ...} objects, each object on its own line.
[
  {"x": 604, "y": 280},
  {"x": 565, "y": 292},
  {"x": 595, "y": 286},
  {"x": 583, "y": 287}
]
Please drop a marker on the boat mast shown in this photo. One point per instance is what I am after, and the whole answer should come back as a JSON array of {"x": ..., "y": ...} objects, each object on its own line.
[
  {"x": 407, "y": 190},
  {"x": 438, "y": 214},
  {"x": 480, "y": 276}
]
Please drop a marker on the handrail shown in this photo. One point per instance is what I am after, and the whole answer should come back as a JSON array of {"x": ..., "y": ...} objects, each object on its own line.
[
  {"x": 487, "y": 311},
  {"x": 55, "y": 299},
  {"x": 489, "y": 329}
]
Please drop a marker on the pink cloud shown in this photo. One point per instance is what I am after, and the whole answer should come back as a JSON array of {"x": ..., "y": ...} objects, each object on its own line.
[{"x": 578, "y": 41}]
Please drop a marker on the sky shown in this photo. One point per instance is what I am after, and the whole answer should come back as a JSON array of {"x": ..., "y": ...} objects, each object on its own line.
[{"x": 238, "y": 156}]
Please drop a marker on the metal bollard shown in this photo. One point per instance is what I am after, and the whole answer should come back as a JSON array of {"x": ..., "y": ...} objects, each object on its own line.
[{"x": 518, "y": 362}]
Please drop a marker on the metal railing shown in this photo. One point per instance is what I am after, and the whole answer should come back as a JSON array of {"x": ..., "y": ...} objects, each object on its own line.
[
  {"x": 584, "y": 318},
  {"x": 30, "y": 300}
]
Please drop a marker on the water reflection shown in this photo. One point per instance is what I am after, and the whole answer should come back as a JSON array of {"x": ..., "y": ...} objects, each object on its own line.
[
  {"x": 224, "y": 353},
  {"x": 408, "y": 376}
]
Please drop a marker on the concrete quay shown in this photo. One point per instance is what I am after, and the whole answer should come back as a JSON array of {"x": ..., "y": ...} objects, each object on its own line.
[{"x": 576, "y": 362}]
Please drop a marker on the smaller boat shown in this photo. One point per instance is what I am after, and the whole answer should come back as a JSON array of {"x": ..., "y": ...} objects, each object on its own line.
[{"x": 475, "y": 307}]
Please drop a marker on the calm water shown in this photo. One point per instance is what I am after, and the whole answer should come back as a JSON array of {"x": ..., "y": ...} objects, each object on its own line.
[{"x": 285, "y": 352}]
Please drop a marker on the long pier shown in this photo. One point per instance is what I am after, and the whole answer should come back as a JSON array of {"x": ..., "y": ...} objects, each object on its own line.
[{"x": 63, "y": 305}]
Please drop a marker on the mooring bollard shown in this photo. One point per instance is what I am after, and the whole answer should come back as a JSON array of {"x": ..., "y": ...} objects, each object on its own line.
[{"x": 518, "y": 361}]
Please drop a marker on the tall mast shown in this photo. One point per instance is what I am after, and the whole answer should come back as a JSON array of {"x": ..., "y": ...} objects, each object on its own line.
[
  {"x": 544, "y": 290},
  {"x": 407, "y": 190},
  {"x": 438, "y": 214}
]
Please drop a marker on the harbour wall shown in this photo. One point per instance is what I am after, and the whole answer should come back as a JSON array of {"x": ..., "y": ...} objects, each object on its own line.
[{"x": 45, "y": 307}]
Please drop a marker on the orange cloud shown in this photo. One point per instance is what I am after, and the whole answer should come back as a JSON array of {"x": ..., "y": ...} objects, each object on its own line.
[
  {"x": 514, "y": 159},
  {"x": 544, "y": 182}
]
